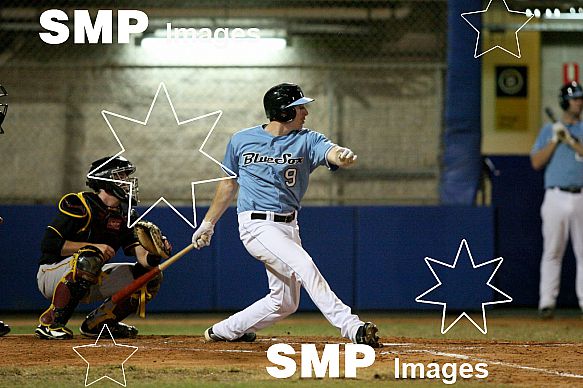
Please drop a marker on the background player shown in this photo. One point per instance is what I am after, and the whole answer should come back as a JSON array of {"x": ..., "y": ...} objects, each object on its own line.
[
  {"x": 273, "y": 163},
  {"x": 3, "y": 108},
  {"x": 4, "y": 328},
  {"x": 558, "y": 149},
  {"x": 86, "y": 233}
]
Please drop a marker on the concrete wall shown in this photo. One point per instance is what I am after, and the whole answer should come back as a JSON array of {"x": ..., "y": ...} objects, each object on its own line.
[{"x": 389, "y": 113}]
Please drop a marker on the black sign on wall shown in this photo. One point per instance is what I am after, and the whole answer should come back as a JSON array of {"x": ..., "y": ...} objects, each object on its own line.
[{"x": 511, "y": 81}]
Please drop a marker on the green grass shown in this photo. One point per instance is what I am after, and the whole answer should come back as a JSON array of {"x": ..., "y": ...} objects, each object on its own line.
[
  {"x": 190, "y": 377},
  {"x": 502, "y": 325}
]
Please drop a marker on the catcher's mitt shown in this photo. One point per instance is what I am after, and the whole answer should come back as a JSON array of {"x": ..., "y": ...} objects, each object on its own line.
[{"x": 150, "y": 237}]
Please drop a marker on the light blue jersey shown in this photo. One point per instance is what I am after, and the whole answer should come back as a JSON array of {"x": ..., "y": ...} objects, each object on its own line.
[
  {"x": 565, "y": 169},
  {"x": 273, "y": 171}
]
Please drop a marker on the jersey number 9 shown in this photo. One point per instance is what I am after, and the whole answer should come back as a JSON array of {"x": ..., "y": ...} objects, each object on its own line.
[{"x": 290, "y": 176}]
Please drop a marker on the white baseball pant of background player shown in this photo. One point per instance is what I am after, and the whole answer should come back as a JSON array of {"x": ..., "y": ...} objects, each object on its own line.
[{"x": 562, "y": 215}]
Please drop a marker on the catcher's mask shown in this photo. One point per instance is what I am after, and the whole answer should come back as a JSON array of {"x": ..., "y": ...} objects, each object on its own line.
[
  {"x": 279, "y": 102},
  {"x": 3, "y": 108},
  {"x": 570, "y": 91},
  {"x": 113, "y": 176}
]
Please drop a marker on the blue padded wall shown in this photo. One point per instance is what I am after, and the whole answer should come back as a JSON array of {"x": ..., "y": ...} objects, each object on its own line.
[
  {"x": 393, "y": 242},
  {"x": 463, "y": 132},
  {"x": 20, "y": 237},
  {"x": 241, "y": 279},
  {"x": 372, "y": 257},
  {"x": 329, "y": 236}
]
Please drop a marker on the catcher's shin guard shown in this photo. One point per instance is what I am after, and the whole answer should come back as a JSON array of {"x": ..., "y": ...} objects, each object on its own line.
[
  {"x": 66, "y": 297},
  {"x": 110, "y": 314},
  {"x": 86, "y": 267}
]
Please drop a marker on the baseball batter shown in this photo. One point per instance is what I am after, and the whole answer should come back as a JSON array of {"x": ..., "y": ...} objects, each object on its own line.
[
  {"x": 273, "y": 163},
  {"x": 86, "y": 233},
  {"x": 558, "y": 149}
]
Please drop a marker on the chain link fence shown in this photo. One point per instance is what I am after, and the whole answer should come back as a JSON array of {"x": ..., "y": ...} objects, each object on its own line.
[{"x": 375, "y": 68}]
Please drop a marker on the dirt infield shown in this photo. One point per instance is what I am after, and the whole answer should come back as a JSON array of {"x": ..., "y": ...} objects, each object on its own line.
[{"x": 509, "y": 363}]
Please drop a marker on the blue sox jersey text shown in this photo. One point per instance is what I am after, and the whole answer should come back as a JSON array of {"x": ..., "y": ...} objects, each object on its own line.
[{"x": 273, "y": 171}]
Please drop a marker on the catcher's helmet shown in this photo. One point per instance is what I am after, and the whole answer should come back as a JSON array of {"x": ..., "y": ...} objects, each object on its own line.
[
  {"x": 279, "y": 102},
  {"x": 113, "y": 176},
  {"x": 3, "y": 107},
  {"x": 568, "y": 92}
]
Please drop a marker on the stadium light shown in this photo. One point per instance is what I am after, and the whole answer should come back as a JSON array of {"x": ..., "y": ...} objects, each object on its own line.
[
  {"x": 210, "y": 45},
  {"x": 224, "y": 46}
]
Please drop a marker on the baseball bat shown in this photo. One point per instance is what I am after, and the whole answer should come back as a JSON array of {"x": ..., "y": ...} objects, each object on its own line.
[
  {"x": 145, "y": 278},
  {"x": 550, "y": 114}
]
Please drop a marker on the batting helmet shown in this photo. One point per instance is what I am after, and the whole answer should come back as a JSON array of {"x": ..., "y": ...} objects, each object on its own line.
[
  {"x": 279, "y": 102},
  {"x": 113, "y": 176},
  {"x": 3, "y": 108},
  {"x": 568, "y": 92}
]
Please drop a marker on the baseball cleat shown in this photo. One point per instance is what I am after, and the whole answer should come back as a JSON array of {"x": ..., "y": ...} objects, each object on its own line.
[
  {"x": 546, "y": 313},
  {"x": 367, "y": 335},
  {"x": 209, "y": 336},
  {"x": 53, "y": 332},
  {"x": 117, "y": 329},
  {"x": 4, "y": 329}
]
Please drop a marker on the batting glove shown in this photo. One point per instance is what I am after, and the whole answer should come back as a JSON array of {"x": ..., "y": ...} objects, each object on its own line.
[
  {"x": 559, "y": 132},
  {"x": 202, "y": 236},
  {"x": 346, "y": 156}
]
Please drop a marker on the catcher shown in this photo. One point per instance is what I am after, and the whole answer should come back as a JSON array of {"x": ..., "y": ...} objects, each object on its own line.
[{"x": 86, "y": 233}]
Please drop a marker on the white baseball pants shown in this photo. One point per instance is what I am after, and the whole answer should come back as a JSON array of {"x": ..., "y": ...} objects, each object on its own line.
[
  {"x": 288, "y": 267},
  {"x": 562, "y": 216}
]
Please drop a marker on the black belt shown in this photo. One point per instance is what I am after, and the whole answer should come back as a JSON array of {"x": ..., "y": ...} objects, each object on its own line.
[
  {"x": 573, "y": 190},
  {"x": 276, "y": 217}
]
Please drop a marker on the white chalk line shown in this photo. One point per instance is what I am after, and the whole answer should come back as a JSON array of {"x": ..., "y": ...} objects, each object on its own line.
[
  {"x": 428, "y": 351},
  {"x": 489, "y": 362},
  {"x": 489, "y": 346},
  {"x": 205, "y": 350}
]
